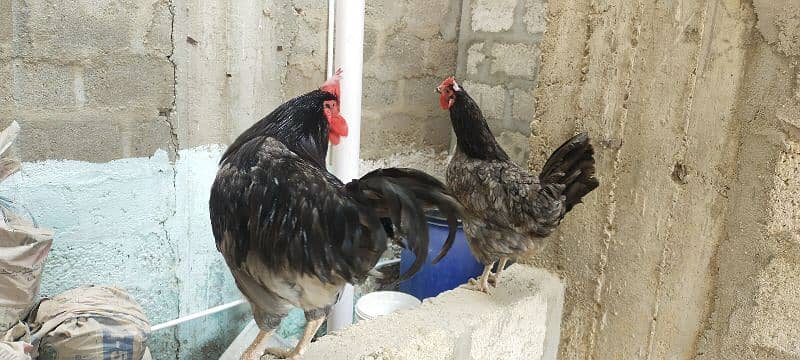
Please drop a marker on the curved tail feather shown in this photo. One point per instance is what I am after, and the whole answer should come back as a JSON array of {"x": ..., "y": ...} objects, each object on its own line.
[
  {"x": 572, "y": 165},
  {"x": 402, "y": 196}
]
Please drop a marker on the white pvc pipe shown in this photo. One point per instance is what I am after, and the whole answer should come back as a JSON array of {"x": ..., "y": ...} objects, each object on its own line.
[
  {"x": 196, "y": 315},
  {"x": 329, "y": 65},
  {"x": 331, "y": 21},
  {"x": 349, "y": 55}
]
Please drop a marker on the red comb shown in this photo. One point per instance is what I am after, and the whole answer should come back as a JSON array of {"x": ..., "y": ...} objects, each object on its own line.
[
  {"x": 332, "y": 84},
  {"x": 448, "y": 82}
]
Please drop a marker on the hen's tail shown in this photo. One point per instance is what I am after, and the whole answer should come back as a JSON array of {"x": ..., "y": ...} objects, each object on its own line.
[
  {"x": 401, "y": 196},
  {"x": 572, "y": 166}
]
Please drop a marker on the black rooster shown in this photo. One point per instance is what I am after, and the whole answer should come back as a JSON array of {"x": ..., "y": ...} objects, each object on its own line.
[
  {"x": 291, "y": 233},
  {"x": 509, "y": 211}
]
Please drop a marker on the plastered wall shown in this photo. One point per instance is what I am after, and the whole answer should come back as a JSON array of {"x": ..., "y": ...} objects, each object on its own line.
[{"x": 689, "y": 248}]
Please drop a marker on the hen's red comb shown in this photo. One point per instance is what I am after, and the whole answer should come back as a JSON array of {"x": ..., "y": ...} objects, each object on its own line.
[
  {"x": 448, "y": 82},
  {"x": 332, "y": 84}
]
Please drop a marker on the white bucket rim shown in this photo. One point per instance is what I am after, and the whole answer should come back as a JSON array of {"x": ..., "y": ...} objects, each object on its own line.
[{"x": 379, "y": 303}]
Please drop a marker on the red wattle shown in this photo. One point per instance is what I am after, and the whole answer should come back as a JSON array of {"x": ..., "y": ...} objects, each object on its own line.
[
  {"x": 444, "y": 102},
  {"x": 338, "y": 128}
]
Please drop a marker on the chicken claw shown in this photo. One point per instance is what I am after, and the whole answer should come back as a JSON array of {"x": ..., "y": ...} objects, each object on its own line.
[
  {"x": 493, "y": 278},
  {"x": 482, "y": 285},
  {"x": 476, "y": 285}
]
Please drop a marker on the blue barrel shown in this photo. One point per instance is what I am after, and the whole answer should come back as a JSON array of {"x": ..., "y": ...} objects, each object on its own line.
[{"x": 455, "y": 269}]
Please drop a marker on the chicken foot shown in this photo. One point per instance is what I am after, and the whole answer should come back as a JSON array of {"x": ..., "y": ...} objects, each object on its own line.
[
  {"x": 482, "y": 284},
  {"x": 295, "y": 354},
  {"x": 249, "y": 353},
  {"x": 488, "y": 278},
  {"x": 496, "y": 276}
]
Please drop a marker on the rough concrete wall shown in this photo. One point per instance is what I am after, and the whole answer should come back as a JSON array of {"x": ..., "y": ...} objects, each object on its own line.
[
  {"x": 756, "y": 313},
  {"x": 275, "y": 50},
  {"x": 685, "y": 249},
  {"x": 97, "y": 80},
  {"x": 498, "y": 59},
  {"x": 142, "y": 224},
  {"x": 238, "y": 60},
  {"x": 410, "y": 46},
  {"x": 87, "y": 80}
]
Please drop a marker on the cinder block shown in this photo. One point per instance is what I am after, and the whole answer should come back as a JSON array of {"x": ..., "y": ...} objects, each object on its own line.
[
  {"x": 785, "y": 206},
  {"x": 402, "y": 56},
  {"x": 419, "y": 94},
  {"x": 777, "y": 313},
  {"x": 379, "y": 94},
  {"x": 438, "y": 58},
  {"x": 145, "y": 82},
  {"x": 519, "y": 321},
  {"x": 158, "y": 36},
  {"x": 493, "y": 15},
  {"x": 375, "y": 124},
  {"x": 516, "y": 145},
  {"x": 515, "y": 59},
  {"x": 94, "y": 136},
  {"x": 69, "y": 29},
  {"x": 5, "y": 83},
  {"x": 424, "y": 18},
  {"x": 6, "y": 29},
  {"x": 491, "y": 99},
  {"x": 522, "y": 109},
  {"x": 42, "y": 85},
  {"x": 535, "y": 15},
  {"x": 475, "y": 57}
]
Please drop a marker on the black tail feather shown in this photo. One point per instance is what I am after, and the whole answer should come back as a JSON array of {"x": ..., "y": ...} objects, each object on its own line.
[
  {"x": 402, "y": 196},
  {"x": 572, "y": 165}
]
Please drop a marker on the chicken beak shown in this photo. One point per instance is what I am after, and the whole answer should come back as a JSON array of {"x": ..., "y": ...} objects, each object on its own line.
[{"x": 438, "y": 90}]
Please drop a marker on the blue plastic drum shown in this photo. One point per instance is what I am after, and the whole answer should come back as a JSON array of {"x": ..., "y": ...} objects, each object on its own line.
[{"x": 455, "y": 269}]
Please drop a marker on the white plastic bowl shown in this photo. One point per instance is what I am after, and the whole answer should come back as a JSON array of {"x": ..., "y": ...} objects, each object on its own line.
[{"x": 381, "y": 303}]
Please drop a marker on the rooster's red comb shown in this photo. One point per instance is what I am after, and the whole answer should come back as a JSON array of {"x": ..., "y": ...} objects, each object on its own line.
[
  {"x": 450, "y": 81},
  {"x": 332, "y": 84}
]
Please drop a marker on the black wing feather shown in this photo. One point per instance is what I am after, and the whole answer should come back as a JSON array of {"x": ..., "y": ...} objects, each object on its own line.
[
  {"x": 296, "y": 216},
  {"x": 285, "y": 197}
]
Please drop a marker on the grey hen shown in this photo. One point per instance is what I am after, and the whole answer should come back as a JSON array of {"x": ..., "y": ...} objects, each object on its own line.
[{"x": 509, "y": 211}]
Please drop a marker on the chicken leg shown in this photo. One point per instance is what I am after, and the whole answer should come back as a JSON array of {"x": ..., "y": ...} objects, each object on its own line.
[
  {"x": 295, "y": 354},
  {"x": 252, "y": 350},
  {"x": 493, "y": 278},
  {"x": 482, "y": 284}
]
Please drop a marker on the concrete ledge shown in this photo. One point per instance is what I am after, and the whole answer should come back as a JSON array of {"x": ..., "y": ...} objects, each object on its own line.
[{"x": 520, "y": 320}]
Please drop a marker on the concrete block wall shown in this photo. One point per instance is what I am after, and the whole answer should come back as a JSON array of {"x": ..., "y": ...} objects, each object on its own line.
[
  {"x": 87, "y": 80},
  {"x": 410, "y": 46},
  {"x": 276, "y": 50},
  {"x": 520, "y": 320},
  {"x": 498, "y": 59}
]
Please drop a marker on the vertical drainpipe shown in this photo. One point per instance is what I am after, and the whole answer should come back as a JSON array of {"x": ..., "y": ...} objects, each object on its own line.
[
  {"x": 349, "y": 55},
  {"x": 329, "y": 65}
]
